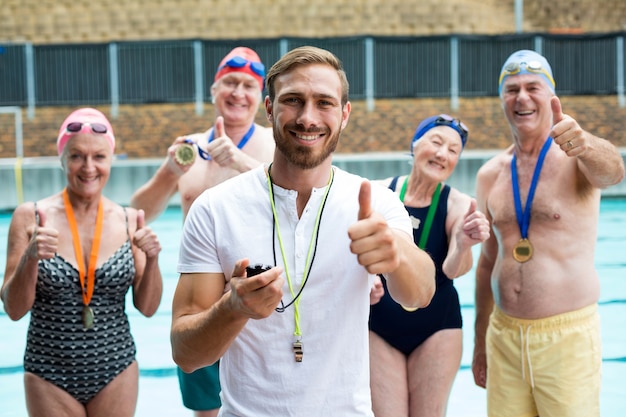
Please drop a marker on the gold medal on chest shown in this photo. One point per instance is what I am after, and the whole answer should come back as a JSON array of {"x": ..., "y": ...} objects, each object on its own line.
[
  {"x": 88, "y": 317},
  {"x": 185, "y": 154},
  {"x": 523, "y": 251}
]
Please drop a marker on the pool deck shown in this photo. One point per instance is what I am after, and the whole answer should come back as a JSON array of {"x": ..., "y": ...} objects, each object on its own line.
[
  {"x": 159, "y": 393},
  {"x": 29, "y": 179}
]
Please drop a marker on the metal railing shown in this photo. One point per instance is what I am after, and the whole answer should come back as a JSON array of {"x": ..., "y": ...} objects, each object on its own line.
[{"x": 377, "y": 67}]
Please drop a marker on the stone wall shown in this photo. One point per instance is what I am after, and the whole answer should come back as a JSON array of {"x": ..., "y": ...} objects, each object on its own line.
[
  {"x": 575, "y": 16},
  {"x": 147, "y": 131},
  {"x": 71, "y": 21}
]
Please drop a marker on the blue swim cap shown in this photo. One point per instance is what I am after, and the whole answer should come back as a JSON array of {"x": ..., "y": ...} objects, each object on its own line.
[
  {"x": 440, "y": 120},
  {"x": 526, "y": 62}
]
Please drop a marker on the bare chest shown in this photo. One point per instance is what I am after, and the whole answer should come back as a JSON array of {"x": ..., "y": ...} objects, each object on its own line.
[{"x": 543, "y": 197}]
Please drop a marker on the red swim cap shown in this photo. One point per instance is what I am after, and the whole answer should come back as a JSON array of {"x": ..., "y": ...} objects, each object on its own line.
[{"x": 242, "y": 59}]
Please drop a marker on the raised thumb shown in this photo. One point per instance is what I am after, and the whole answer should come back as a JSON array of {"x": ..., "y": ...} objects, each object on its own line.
[
  {"x": 472, "y": 207},
  {"x": 141, "y": 219},
  {"x": 42, "y": 218},
  {"x": 219, "y": 128},
  {"x": 557, "y": 110},
  {"x": 365, "y": 200}
]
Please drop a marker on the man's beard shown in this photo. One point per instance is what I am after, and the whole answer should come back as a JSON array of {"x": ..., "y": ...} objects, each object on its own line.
[{"x": 302, "y": 156}]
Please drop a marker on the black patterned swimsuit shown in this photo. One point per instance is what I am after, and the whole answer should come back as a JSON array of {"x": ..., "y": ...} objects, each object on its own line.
[{"x": 58, "y": 348}]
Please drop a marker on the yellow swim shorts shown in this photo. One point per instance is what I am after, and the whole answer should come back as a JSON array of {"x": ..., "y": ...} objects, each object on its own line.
[{"x": 548, "y": 367}]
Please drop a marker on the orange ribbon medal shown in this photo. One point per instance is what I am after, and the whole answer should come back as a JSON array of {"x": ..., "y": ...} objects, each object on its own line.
[{"x": 87, "y": 285}]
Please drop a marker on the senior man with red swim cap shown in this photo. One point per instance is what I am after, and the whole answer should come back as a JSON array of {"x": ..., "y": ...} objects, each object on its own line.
[
  {"x": 194, "y": 163},
  {"x": 537, "y": 330}
]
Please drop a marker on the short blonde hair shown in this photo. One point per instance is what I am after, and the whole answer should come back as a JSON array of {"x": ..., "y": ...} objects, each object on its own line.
[{"x": 306, "y": 55}]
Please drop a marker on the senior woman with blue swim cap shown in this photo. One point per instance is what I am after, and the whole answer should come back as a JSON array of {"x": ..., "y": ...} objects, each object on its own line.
[{"x": 415, "y": 354}]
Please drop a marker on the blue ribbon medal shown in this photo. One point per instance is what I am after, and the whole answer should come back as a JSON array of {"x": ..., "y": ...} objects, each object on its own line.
[
  {"x": 523, "y": 250},
  {"x": 185, "y": 154}
]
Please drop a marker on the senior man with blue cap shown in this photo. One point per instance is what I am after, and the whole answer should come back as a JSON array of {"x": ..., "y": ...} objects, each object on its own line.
[
  {"x": 415, "y": 354},
  {"x": 537, "y": 331}
]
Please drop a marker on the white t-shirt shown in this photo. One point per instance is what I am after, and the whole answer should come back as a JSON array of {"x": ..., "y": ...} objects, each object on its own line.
[{"x": 258, "y": 373}]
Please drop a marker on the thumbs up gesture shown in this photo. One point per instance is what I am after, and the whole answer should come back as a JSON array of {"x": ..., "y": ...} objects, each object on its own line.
[
  {"x": 221, "y": 148},
  {"x": 373, "y": 242},
  {"x": 475, "y": 227},
  {"x": 144, "y": 238},
  {"x": 566, "y": 132},
  {"x": 44, "y": 241}
]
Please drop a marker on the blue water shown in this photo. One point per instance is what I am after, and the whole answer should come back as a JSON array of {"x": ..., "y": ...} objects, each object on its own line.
[{"x": 158, "y": 390}]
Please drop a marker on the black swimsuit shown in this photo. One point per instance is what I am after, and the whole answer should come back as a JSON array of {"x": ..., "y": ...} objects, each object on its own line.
[
  {"x": 405, "y": 330},
  {"x": 58, "y": 348}
]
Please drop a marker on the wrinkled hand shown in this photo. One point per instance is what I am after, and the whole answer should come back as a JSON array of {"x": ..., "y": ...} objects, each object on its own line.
[
  {"x": 566, "y": 132},
  {"x": 44, "y": 241},
  {"x": 377, "y": 291},
  {"x": 255, "y": 297},
  {"x": 373, "y": 242},
  {"x": 222, "y": 149},
  {"x": 144, "y": 238},
  {"x": 479, "y": 369},
  {"x": 174, "y": 165},
  {"x": 475, "y": 227}
]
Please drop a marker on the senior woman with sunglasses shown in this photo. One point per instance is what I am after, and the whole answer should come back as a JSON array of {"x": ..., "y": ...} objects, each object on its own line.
[
  {"x": 71, "y": 259},
  {"x": 415, "y": 354},
  {"x": 194, "y": 163}
]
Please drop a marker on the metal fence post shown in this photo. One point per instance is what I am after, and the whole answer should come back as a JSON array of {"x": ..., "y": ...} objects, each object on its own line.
[
  {"x": 369, "y": 74},
  {"x": 115, "y": 80},
  {"x": 621, "y": 99},
  {"x": 30, "y": 80},
  {"x": 198, "y": 76},
  {"x": 454, "y": 73}
]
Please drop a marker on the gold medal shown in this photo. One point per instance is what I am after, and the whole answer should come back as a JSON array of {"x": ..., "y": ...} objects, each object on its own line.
[
  {"x": 409, "y": 309},
  {"x": 523, "y": 251},
  {"x": 185, "y": 154},
  {"x": 87, "y": 317}
]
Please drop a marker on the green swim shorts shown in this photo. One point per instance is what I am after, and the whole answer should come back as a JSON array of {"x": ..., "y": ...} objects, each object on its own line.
[{"x": 200, "y": 389}]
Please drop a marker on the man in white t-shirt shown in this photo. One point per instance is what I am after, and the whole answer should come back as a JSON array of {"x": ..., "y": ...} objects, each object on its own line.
[{"x": 293, "y": 339}]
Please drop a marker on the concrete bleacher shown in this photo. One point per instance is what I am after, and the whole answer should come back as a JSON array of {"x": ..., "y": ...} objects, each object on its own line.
[
  {"x": 64, "y": 21},
  {"x": 145, "y": 131},
  {"x": 85, "y": 21}
]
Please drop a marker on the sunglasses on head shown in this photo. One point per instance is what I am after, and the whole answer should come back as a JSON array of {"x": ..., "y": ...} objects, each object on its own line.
[
  {"x": 239, "y": 62},
  {"x": 534, "y": 67},
  {"x": 76, "y": 127}
]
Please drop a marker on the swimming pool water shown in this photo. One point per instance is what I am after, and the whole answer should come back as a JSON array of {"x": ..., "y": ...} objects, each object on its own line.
[{"x": 158, "y": 391}]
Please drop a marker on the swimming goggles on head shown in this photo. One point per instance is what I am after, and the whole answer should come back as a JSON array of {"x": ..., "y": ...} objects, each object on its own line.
[
  {"x": 239, "y": 62},
  {"x": 535, "y": 67},
  {"x": 456, "y": 124},
  {"x": 444, "y": 120},
  {"x": 75, "y": 127}
]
